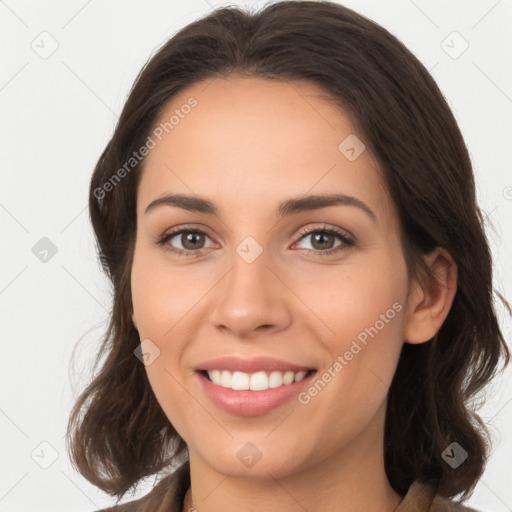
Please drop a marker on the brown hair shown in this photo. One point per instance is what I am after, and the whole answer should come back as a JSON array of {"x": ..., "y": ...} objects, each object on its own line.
[{"x": 117, "y": 431}]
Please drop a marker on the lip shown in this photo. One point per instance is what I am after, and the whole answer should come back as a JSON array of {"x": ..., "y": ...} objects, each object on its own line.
[
  {"x": 253, "y": 365},
  {"x": 251, "y": 403}
]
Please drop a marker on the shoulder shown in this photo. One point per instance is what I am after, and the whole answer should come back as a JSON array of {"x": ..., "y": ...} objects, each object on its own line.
[
  {"x": 166, "y": 496},
  {"x": 422, "y": 498}
]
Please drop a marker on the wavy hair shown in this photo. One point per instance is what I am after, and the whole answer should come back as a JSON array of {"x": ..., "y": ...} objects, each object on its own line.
[{"x": 117, "y": 431}]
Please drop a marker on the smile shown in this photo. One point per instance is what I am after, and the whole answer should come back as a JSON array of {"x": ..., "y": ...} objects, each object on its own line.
[
  {"x": 252, "y": 402},
  {"x": 258, "y": 381}
]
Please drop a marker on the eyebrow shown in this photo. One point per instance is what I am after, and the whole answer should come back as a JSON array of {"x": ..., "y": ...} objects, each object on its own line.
[{"x": 286, "y": 208}]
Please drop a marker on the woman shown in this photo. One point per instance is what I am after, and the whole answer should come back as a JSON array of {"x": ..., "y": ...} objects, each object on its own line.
[{"x": 270, "y": 373}]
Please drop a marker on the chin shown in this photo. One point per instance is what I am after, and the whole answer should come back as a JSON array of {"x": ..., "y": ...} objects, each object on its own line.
[{"x": 246, "y": 460}]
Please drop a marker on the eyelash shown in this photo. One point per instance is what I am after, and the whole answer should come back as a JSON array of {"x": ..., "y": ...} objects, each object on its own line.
[{"x": 347, "y": 241}]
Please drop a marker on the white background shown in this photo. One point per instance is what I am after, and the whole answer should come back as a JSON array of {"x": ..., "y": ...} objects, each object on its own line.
[{"x": 58, "y": 113}]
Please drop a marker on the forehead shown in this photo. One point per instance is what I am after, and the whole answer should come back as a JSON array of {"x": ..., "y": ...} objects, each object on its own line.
[{"x": 248, "y": 138}]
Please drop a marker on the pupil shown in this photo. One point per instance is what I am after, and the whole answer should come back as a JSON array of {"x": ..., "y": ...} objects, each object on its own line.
[
  {"x": 190, "y": 238},
  {"x": 320, "y": 235}
]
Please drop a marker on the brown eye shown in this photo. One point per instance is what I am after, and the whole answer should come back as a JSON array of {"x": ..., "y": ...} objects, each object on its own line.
[
  {"x": 191, "y": 240},
  {"x": 322, "y": 241}
]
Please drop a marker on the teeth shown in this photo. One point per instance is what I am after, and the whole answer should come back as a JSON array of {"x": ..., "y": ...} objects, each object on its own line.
[
  {"x": 240, "y": 380},
  {"x": 258, "y": 381}
]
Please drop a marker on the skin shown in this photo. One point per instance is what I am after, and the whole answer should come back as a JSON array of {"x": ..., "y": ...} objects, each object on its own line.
[{"x": 249, "y": 144}]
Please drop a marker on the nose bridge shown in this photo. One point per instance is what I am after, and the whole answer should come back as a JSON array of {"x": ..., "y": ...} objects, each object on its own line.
[
  {"x": 249, "y": 279},
  {"x": 250, "y": 295}
]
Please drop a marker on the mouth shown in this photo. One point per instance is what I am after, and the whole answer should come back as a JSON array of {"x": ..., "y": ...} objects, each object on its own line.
[
  {"x": 257, "y": 381},
  {"x": 253, "y": 394}
]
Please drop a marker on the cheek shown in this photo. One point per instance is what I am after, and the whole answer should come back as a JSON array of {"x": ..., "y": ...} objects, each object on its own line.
[
  {"x": 174, "y": 401},
  {"x": 162, "y": 294},
  {"x": 166, "y": 304},
  {"x": 352, "y": 299},
  {"x": 364, "y": 309},
  {"x": 161, "y": 300}
]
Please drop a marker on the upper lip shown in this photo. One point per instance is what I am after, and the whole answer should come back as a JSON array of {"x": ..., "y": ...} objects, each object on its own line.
[{"x": 233, "y": 363}]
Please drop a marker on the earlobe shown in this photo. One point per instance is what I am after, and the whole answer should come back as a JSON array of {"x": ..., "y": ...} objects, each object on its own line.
[
  {"x": 134, "y": 321},
  {"x": 430, "y": 300}
]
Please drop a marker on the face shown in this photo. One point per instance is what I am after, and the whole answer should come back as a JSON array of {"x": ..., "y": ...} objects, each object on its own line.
[{"x": 264, "y": 291}]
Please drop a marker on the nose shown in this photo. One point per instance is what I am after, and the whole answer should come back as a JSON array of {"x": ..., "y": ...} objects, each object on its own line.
[{"x": 251, "y": 298}]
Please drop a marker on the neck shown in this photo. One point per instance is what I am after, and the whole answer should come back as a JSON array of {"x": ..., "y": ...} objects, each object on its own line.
[{"x": 352, "y": 479}]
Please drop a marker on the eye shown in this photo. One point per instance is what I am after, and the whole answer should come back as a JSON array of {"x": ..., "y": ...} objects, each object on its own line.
[
  {"x": 192, "y": 241},
  {"x": 322, "y": 239}
]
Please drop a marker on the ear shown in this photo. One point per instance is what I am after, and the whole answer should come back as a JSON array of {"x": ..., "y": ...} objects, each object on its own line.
[
  {"x": 430, "y": 300},
  {"x": 133, "y": 319}
]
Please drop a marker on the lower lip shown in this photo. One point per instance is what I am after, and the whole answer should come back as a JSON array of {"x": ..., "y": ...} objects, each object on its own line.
[{"x": 251, "y": 403}]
